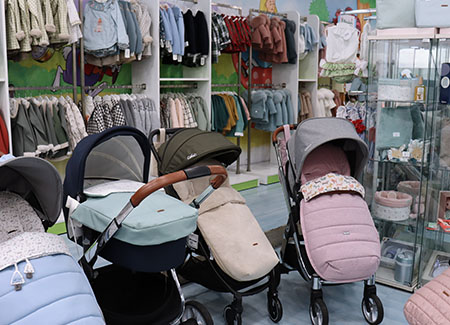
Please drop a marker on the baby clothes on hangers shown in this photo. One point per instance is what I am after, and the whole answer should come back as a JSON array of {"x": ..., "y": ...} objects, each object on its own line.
[{"x": 45, "y": 126}]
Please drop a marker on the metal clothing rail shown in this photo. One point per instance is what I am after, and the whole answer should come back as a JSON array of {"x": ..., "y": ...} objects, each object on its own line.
[
  {"x": 224, "y": 5},
  {"x": 359, "y": 12},
  {"x": 188, "y": 86},
  {"x": 284, "y": 15},
  {"x": 41, "y": 88},
  {"x": 238, "y": 84},
  {"x": 273, "y": 86},
  {"x": 139, "y": 86},
  {"x": 224, "y": 85}
]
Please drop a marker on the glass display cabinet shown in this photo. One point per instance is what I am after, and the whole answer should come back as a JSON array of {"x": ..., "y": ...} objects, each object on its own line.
[
  {"x": 400, "y": 109},
  {"x": 435, "y": 253}
]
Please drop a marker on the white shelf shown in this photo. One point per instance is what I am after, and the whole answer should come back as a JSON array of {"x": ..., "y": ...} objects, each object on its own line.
[
  {"x": 307, "y": 80},
  {"x": 184, "y": 79}
]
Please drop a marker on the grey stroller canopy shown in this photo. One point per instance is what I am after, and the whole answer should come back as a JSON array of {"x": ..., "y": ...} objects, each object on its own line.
[
  {"x": 43, "y": 189},
  {"x": 310, "y": 134}
]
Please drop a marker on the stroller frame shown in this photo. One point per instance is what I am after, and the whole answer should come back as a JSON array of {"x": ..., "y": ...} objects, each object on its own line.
[
  {"x": 293, "y": 254},
  {"x": 232, "y": 312}
]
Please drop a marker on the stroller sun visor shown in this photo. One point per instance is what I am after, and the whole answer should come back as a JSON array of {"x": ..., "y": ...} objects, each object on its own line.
[
  {"x": 189, "y": 146},
  {"x": 37, "y": 181},
  {"x": 315, "y": 132},
  {"x": 117, "y": 153}
]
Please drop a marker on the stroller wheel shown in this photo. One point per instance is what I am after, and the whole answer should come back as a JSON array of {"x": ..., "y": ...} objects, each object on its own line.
[
  {"x": 275, "y": 308},
  {"x": 196, "y": 313},
  {"x": 372, "y": 309},
  {"x": 318, "y": 312},
  {"x": 231, "y": 316}
]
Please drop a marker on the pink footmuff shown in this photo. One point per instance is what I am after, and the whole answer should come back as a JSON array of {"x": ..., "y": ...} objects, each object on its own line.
[
  {"x": 340, "y": 237},
  {"x": 430, "y": 304}
]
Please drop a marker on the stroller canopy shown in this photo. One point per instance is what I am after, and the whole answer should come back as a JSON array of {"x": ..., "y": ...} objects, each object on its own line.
[
  {"x": 117, "y": 153},
  {"x": 189, "y": 146},
  {"x": 314, "y": 132},
  {"x": 37, "y": 181}
]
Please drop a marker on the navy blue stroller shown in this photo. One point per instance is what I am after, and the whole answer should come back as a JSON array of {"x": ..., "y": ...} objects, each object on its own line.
[{"x": 113, "y": 211}]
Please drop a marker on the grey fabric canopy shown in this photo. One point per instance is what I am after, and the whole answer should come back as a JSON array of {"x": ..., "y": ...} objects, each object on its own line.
[
  {"x": 37, "y": 181},
  {"x": 314, "y": 132}
]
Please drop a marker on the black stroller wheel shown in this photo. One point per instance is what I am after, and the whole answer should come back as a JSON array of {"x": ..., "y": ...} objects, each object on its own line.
[
  {"x": 231, "y": 316},
  {"x": 372, "y": 309},
  {"x": 318, "y": 312},
  {"x": 275, "y": 308},
  {"x": 196, "y": 313}
]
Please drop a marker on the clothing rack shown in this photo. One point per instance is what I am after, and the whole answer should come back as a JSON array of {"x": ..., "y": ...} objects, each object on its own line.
[
  {"x": 224, "y": 5},
  {"x": 238, "y": 84},
  {"x": 139, "y": 86},
  {"x": 284, "y": 15},
  {"x": 41, "y": 88},
  {"x": 185, "y": 86},
  {"x": 370, "y": 18},
  {"x": 250, "y": 84},
  {"x": 223, "y": 85},
  {"x": 272, "y": 86},
  {"x": 359, "y": 12}
]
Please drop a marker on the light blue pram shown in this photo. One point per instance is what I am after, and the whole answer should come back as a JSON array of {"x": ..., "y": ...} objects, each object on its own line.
[{"x": 40, "y": 282}]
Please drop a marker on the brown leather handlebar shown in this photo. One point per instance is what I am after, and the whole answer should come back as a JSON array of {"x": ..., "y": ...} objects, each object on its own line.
[
  {"x": 278, "y": 130},
  {"x": 176, "y": 177}
]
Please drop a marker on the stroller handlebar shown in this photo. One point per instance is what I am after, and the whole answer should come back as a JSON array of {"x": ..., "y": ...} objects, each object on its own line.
[
  {"x": 278, "y": 130},
  {"x": 180, "y": 176}
]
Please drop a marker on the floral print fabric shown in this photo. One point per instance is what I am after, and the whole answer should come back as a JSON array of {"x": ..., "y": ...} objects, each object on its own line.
[{"x": 331, "y": 182}]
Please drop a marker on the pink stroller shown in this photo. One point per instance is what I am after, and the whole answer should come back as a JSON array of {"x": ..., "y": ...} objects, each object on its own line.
[{"x": 330, "y": 237}]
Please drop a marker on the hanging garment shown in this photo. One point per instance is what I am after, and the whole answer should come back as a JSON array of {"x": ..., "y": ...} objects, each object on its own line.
[
  {"x": 104, "y": 29},
  {"x": 342, "y": 43},
  {"x": 4, "y": 138},
  {"x": 182, "y": 110},
  {"x": 144, "y": 22}
]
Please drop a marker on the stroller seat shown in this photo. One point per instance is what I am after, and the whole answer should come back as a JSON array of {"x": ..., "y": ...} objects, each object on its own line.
[
  {"x": 16, "y": 216},
  {"x": 229, "y": 227},
  {"x": 159, "y": 219}
]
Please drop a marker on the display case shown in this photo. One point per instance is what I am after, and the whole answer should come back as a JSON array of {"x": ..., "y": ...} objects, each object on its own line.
[
  {"x": 399, "y": 131},
  {"x": 435, "y": 255}
]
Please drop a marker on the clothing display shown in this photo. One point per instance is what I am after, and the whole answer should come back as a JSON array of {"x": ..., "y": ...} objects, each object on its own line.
[
  {"x": 116, "y": 31},
  {"x": 229, "y": 34},
  {"x": 308, "y": 39},
  {"x": 270, "y": 38},
  {"x": 184, "y": 110},
  {"x": 40, "y": 24},
  {"x": 116, "y": 110},
  {"x": 325, "y": 103},
  {"x": 45, "y": 126},
  {"x": 4, "y": 138},
  {"x": 229, "y": 114},
  {"x": 305, "y": 108},
  {"x": 271, "y": 108},
  {"x": 184, "y": 38}
]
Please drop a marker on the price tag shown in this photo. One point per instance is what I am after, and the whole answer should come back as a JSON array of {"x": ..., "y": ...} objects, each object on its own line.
[
  {"x": 192, "y": 241},
  {"x": 127, "y": 53},
  {"x": 202, "y": 60},
  {"x": 186, "y": 44},
  {"x": 396, "y": 134},
  {"x": 406, "y": 154}
]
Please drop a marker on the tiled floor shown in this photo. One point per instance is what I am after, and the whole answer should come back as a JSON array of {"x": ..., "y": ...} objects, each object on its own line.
[{"x": 343, "y": 301}]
